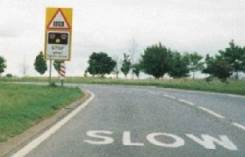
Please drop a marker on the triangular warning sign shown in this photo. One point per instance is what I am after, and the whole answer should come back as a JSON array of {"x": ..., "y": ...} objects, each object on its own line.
[{"x": 58, "y": 21}]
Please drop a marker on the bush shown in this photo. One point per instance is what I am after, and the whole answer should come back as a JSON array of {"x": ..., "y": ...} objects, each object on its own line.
[{"x": 9, "y": 75}]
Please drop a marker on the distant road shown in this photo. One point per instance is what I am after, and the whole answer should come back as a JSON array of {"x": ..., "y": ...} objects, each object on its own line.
[{"x": 125, "y": 121}]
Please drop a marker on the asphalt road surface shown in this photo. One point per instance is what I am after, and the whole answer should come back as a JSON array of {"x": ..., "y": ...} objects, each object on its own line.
[{"x": 151, "y": 122}]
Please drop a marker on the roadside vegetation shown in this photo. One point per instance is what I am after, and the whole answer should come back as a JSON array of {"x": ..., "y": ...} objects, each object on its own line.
[
  {"x": 233, "y": 86},
  {"x": 159, "y": 61},
  {"x": 22, "y": 106},
  {"x": 223, "y": 70}
]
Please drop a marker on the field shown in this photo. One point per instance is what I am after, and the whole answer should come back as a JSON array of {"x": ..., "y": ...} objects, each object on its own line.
[
  {"x": 233, "y": 86},
  {"x": 22, "y": 106}
]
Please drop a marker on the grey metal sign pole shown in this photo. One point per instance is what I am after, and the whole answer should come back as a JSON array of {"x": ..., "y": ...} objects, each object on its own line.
[{"x": 50, "y": 71}]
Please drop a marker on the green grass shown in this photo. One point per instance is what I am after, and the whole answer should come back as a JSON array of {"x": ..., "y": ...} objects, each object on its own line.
[
  {"x": 233, "y": 87},
  {"x": 22, "y": 106}
]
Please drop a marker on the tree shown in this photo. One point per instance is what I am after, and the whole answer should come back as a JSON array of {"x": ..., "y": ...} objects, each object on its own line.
[
  {"x": 40, "y": 63},
  {"x": 209, "y": 61},
  {"x": 100, "y": 63},
  {"x": 218, "y": 67},
  {"x": 179, "y": 65},
  {"x": 24, "y": 67},
  {"x": 126, "y": 64},
  {"x": 8, "y": 75},
  {"x": 136, "y": 69},
  {"x": 195, "y": 63},
  {"x": 155, "y": 60},
  {"x": 133, "y": 46},
  {"x": 234, "y": 55},
  {"x": 116, "y": 70},
  {"x": 85, "y": 73},
  {"x": 2, "y": 65},
  {"x": 133, "y": 49}
]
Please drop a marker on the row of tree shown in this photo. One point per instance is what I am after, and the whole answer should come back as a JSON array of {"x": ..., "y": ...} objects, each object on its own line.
[
  {"x": 158, "y": 60},
  {"x": 40, "y": 64}
]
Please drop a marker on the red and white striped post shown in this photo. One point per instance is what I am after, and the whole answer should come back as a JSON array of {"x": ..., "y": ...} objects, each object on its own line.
[{"x": 62, "y": 72}]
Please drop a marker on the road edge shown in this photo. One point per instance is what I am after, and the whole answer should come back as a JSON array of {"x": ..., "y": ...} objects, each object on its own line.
[{"x": 57, "y": 121}]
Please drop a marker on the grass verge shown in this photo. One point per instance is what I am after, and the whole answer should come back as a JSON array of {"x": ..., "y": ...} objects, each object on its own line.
[
  {"x": 233, "y": 86},
  {"x": 22, "y": 106}
]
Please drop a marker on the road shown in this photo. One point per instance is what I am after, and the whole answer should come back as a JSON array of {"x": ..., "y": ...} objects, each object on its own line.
[{"x": 151, "y": 122}]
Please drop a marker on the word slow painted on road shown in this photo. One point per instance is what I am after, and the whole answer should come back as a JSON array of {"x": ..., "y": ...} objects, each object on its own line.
[{"x": 160, "y": 139}]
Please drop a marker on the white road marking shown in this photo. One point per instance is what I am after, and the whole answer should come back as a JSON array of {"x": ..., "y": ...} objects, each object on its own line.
[
  {"x": 208, "y": 141},
  {"x": 34, "y": 143},
  {"x": 202, "y": 92},
  {"x": 239, "y": 126},
  {"x": 177, "y": 141},
  {"x": 212, "y": 112},
  {"x": 186, "y": 102},
  {"x": 204, "y": 109},
  {"x": 126, "y": 139},
  {"x": 98, "y": 134},
  {"x": 192, "y": 104},
  {"x": 162, "y": 139},
  {"x": 169, "y": 96}
]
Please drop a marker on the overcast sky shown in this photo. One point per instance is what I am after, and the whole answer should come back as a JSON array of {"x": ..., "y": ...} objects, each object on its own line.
[{"x": 204, "y": 26}]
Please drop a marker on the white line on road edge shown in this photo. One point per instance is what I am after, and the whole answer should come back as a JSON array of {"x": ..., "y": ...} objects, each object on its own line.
[
  {"x": 33, "y": 144},
  {"x": 203, "y": 92},
  {"x": 212, "y": 112},
  {"x": 239, "y": 126},
  {"x": 169, "y": 96},
  {"x": 204, "y": 109},
  {"x": 186, "y": 102}
]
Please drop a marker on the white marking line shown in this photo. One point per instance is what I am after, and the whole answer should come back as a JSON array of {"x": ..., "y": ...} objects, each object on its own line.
[
  {"x": 212, "y": 112},
  {"x": 33, "y": 144},
  {"x": 169, "y": 96},
  {"x": 186, "y": 102},
  {"x": 239, "y": 126}
]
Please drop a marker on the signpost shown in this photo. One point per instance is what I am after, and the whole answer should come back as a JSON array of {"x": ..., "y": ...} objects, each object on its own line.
[{"x": 58, "y": 35}]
